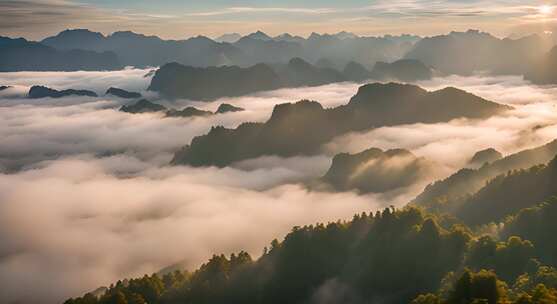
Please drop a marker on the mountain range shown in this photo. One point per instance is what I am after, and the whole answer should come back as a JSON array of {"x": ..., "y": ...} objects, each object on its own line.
[
  {"x": 301, "y": 128},
  {"x": 464, "y": 53},
  {"x": 139, "y": 50},
  {"x": 460, "y": 53},
  {"x": 174, "y": 80}
]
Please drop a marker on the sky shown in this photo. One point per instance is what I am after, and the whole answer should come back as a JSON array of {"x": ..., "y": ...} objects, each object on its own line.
[{"x": 174, "y": 19}]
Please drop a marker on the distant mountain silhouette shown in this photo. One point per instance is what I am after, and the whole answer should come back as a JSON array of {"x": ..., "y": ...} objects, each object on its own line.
[
  {"x": 299, "y": 73},
  {"x": 225, "y": 108},
  {"x": 356, "y": 72},
  {"x": 374, "y": 171},
  {"x": 177, "y": 81},
  {"x": 544, "y": 71},
  {"x": 466, "y": 52},
  {"x": 143, "y": 106},
  {"x": 342, "y": 48},
  {"x": 302, "y": 128},
  {"x": 122, "y": 93},
  {"x": 257, "y": 49},
  {"x": 468, "y": 181},
  {"x": 22, "y": 55},
  {"x": 228, "y": 38},
  {"x": 406, "y": 70},
  {"x": 141, "y": 51},
  {"x": 42, "y": 92}
]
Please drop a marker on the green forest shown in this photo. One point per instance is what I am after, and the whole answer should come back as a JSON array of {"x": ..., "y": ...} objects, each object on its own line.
[{"x": 403, "y": 255}]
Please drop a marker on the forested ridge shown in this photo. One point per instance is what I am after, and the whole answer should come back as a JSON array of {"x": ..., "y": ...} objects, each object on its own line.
[{"x": 393, "y": 256}]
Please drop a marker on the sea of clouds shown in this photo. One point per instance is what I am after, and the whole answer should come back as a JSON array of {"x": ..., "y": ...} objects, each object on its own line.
[{"x": 87, "y": 196}]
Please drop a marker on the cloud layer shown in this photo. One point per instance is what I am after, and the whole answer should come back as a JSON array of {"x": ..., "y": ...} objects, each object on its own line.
[{"x": 86, "y": 197}]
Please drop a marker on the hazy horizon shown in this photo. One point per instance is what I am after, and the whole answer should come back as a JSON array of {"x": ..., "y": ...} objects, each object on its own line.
[{"x": 170, "y": 19}]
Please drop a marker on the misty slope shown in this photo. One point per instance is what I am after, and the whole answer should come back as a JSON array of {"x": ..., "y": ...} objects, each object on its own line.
[
  {"x": 508, "y": 193},
  {"x": 406, "y": 70},
  {"x": 468, "y": 181},
  {"x": 22, "y": 55},
  {"x": 466, "y": 52},
  {"x": 544, "y": 71},
  {"x": 375, "y": 171},
  {"x": 484, "y": 156},
  {"x": 301, "y": 128}
]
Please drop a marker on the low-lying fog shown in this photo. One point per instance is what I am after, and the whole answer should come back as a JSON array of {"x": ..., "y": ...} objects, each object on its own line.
[{"x": 86, "y": 197}]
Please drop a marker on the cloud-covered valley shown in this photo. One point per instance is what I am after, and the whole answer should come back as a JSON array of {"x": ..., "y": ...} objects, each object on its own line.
[{"x": 87, "y": 196}]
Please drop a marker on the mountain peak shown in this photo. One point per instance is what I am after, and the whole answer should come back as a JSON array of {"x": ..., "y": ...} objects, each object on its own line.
[
  {"x": 80, "y": 33},
  {"x": 345, "y": 35},
  {"x": 259, "y": 35}
]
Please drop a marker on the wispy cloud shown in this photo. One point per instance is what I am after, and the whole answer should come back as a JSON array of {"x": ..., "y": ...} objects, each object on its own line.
[{"x": 260, "y": 10}]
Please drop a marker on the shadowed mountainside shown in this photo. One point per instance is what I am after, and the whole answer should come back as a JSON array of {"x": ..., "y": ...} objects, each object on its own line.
[
  {"x": 174, "y": 80},
  {"x": 178, "y": 81},
  {"x": 407, "y": 70},
  {"x": 301, "y": 128}
]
